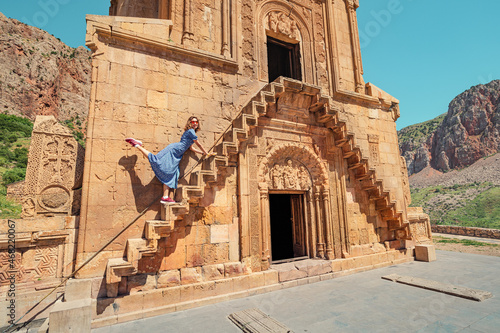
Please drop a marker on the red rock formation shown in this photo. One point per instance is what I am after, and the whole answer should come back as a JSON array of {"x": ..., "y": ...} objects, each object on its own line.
[
  {"x": 40, "y": 75},
  {"x": 468, "y": 132}
]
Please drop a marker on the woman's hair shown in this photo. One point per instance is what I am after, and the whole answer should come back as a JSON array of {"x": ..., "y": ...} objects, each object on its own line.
[{"x": 188, "y": 124}]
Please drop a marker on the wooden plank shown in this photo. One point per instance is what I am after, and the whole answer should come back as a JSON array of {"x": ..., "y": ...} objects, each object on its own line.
[
  {"x": 256, "y": 321},
  {"x": 446, "y": 288}
]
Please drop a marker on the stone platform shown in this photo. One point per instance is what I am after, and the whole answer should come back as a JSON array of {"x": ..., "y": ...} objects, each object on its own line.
[{"x": 109, "y": 311}]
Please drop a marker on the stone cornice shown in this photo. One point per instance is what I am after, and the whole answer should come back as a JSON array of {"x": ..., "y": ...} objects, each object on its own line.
[{"x": 104, "y": 27}]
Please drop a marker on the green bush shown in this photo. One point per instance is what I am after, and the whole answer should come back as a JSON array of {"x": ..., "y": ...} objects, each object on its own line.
[
  {"x": 11, "y": 123},
  {"x": 21, "y": 157},
  {"x": 13, "y": 175}
]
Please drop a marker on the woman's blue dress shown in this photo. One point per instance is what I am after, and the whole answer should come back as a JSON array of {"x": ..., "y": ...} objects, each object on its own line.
[{"x": 165, "y": 164}]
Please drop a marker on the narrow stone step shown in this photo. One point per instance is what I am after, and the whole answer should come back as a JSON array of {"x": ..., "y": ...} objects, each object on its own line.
[
  {"x": 256, "y": 321},
  {"x": 446, "y": 288}
]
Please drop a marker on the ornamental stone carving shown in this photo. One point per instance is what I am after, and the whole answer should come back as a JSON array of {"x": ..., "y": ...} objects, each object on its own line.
[
  {"x": 54, "y": 172},
  {"x": 289, "y": 176},
  {"x": 291, "y": 166},
  {"x": 282, "y": 23}
]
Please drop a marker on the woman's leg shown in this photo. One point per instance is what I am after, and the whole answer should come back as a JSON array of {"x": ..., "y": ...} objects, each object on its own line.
[
  {"x": 168, "y": 192},
  {"x": 144, "y": 151}
]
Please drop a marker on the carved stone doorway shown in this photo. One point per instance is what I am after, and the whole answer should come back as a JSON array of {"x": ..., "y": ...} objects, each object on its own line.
[
  {"x": 283, "y": 59},
  {"x": 288, "y": 239}
]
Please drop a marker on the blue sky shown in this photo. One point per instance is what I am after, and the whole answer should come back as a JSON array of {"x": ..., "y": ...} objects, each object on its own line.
[{"x": 423, "y": 52}]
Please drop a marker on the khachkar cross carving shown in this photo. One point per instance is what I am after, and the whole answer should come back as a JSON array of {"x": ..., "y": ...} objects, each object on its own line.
[
  {"x": 282, "y": 23},
  {"x": 289, "y": 176},
  {"x": 62, "y": 153}
]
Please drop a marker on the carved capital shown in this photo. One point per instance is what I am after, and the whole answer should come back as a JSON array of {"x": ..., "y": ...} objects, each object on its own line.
[{"x": 352, "y": 4}]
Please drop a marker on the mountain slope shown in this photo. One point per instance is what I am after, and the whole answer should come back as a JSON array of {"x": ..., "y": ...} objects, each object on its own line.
[
  {"x": 468, "y": 132},
  {"x": 40, "y": 75}
]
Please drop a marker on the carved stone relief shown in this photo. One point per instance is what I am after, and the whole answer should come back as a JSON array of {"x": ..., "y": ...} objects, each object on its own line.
[
  {"x": 290, "y": 175},
  {"x": 289, "y": 23},
  {"x": 134, "y": 8},
  {"x": 291, "y": 166},
  {"x": 373, "y": 141},
  {"x": 55, "y": 168},
  {"x": 282, "y": 23},
  {"x": 406, "y": 183},
  {"x": 31, "y": 265}
]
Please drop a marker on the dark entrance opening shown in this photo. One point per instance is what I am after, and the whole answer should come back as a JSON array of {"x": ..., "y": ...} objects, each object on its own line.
[
  {"x": 287, "y": 228},
  {"x": 283, "y": 59}
]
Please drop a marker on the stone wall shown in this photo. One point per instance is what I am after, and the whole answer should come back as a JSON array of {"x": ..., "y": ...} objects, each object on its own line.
[{"x": 466, "y": 231}]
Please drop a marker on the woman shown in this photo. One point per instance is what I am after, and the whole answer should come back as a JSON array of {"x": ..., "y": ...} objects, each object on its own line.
[{"x": 165, "y": 164}]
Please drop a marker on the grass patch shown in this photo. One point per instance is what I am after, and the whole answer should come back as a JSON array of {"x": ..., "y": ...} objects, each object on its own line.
[
  {"x": 8, "y": 208},
  {"x": 482, "y": 212},
  {"x": 466, "y": 242},
  {"x": 469, "y": 205}
]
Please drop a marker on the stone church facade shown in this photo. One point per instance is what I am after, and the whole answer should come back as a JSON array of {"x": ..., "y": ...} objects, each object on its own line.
[{"x": 307, "y": 182}]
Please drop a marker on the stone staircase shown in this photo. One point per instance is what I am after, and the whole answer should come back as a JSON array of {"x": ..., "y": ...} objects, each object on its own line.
[{"x": 208, "y": 171}]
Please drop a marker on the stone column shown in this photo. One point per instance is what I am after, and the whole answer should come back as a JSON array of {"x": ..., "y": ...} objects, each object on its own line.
[
  {"x": 352, "y": 5},
  {"x": 312, "y": 222},
  {"x": 187, "y": 35},
  {"x": 332, "y": 49},
  {"x": 328, "y": 223},
  {"x": 266, "y": 224},
  {"x": 341, "y": 202},
  {"x": 226, "y": 28},
  {"x": 319, "y": 223},
  {"x": 244, "y": 194}
]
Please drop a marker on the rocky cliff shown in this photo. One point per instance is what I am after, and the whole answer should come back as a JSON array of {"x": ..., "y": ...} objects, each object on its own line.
[
  {"x": 468, "y": 132},
  {"x": 40, "y": 75}
]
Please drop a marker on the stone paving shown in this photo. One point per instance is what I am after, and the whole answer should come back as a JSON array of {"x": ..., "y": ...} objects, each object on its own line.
[{"x": 362, "y": 302}]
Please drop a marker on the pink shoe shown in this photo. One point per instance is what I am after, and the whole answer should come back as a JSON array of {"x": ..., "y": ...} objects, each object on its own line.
[
  {"x": 166, "y": 201},
  {"x": 134, "y": 142}
]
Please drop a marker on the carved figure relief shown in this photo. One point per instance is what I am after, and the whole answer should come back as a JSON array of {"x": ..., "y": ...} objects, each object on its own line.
[
  {"x": 289, "y": 176},
  {"x": 282, "y": 23}
]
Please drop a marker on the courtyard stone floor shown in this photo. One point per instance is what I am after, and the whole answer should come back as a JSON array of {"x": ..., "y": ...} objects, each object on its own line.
[{"x": 362, "y": 302}]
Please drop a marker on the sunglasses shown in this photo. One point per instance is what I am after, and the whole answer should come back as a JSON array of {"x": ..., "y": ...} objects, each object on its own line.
[{"x": 194, "y": 121}]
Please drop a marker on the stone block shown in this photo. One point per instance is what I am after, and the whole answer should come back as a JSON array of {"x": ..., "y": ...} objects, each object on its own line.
[
  {"x": 223, "y": 287},
  {"x": 287, "y": 272},
  {"x": 257, "y": 280},
  {"x": 204, "y": 289},
  {"x": 77, "y": 289},
  {"x": 213, "y": 272},
  {"x": 271, "y": 277},
  {"x": 142, "y": 282},
  {"x": 347, "y": 264},
  {"x": 336, "y": 265},
  {"x": 241, "y": 283},
  {"x": 425, "y": 252},
  {"x": 74, "y": 316},
  {"x": 171, "y": 295},
  {"x": 191, "y": 275},
  {"x": 153, "y": 299},
  {"x": 233, "y": 269},
  {"x": 314, "y": 267},
  {"x": 219, "y": 233},
  {"x": 169, "y": 279}
]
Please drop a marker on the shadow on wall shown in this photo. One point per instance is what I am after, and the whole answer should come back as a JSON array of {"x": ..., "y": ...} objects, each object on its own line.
[{"x": 143, "y": 194}]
